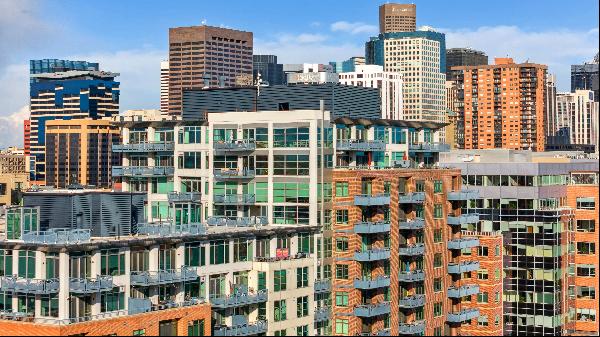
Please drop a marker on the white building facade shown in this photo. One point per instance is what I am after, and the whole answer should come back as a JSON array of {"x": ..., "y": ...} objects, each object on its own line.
[
  {"x": 164, "y": 86},
  {"x": 579, "y": 114}
]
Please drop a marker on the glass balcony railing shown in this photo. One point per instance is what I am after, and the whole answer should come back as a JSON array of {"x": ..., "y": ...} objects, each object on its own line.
[
  {"x": 463, "y": 315},
  {"x": 152, "y": 278},
  {"x": 463, "y": 195},
  {"x": 91, "y": 286},
  {"x": 375, "y": 283},
  {"x": 463, "y": 219},
  {"x": 249, "y": 329},
  {"x": 184, "y": 197},
  {"x": 372, "y": 310},
  {"x": 462, "y": 291},
  {"x": 235, "y": 199},
  {"x": 372, "y": 255},
  {"x": 411, "y": 302},
  {"x": 360, "y": 145},
  {"x": 463, "y": 243},
  {"x": 372, "y": 200},
  {"x": 429, "y": 147},
  {"x": 413, "y": 328},
  {"x": 250, "y": 221},
  {"x": 246, "y": 145},
  {"x": 412, "y": 224},
  {"x": 411, "y": 276},
  {"x": 170, "y": 230},
  {"x": 29, "y": 285},
  {"x": 143, "y": 171},
  {"x": 322, "y": 286},
  {"x": 463, "y": 267},
  {"x": 322, "y": 314},
  {"x": 367, "y": 227},
  {"x": 58, "y": 236},
  {"x": 232, "y": 174},
  {"x": 412, "y": 198},
  {"x": 412, "y": 250},
  {"x": 239, "y": 299},
  {"x": 144, "y": 147}
]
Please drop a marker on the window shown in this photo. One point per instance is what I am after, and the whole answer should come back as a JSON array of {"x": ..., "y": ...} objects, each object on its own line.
[
  {"x": 437, "y": 284},
  {"x": 219, "y": 252},
  {"x": 586, "y": 226},
  {"x": 437, "y": 309},
  {"x": 586, "y": 292},
  {"x": 482, "y": 320},
  {"x": 302, "y": 277},
  {"x": 290, "y": 215},
  {"x": 280, "y": 333},
  {"x": 420, "y": 186},
  {"x": 290, "y": 165},
  {"x": 497, "y": 320},
  {"x": 190, "y": 135},
  {"x": 438, "y": 212},
  {"x": 280, "y": 280},
  {"x": 49, "y": 306},
  {"x": 482, "y": 251},
  {"x": 291, "y": 192},
  {"x": 438, "y": 186},
  {"x": 341, "y": 189},
  {"x": 482, "y": 274},
  {"x": 242, "y": 250},
  {"x": 586, "y": 203},
  {"x": 112, "y": 301},
  {"x": 482, "y": 297},
  {"x": 341, "y": 272},
  {"x": 291, "y": 137},
  {"x": 139, "y": 332},
  {"x": 341, "y": 216},
  {"x": 302, "y": 306},
  {"x": 341, "y": 244},
  {"x": 586, "y": 270},
  {"x": 6, "y": 262},
  {"x": 302, "y": 330},
  {"x": 437, "y": 235},
  {"x": 196, "y": 328},
  {"x": 341, "y": 299},
  {"x": 306, "y": 243},
  {"x": 341, "y": 326},
  {"x": 280, "y": 311},
  {"x": 27, "y": 263},
  {"x": 437, "y": 260},
  {"x": 194, "y": 255},
  {"x": 437, "y": 331},
  {"x": 190, "y": 160},
  {"x": 586, "y": 248}
]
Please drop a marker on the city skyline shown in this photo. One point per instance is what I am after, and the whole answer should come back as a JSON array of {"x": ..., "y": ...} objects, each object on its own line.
[{"x": 136, "y": 40}]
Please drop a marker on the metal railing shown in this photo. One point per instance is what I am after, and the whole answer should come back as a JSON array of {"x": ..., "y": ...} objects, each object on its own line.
[
  {"x": 235, "y": 146},
  {"x": 151, "y": 278},
  {"x": 360, "y": 145},
  {"x": 235, "y": 199},
  {"x": 411, "y": 302},
  {"x": 240, "y": 299},
  {"x": 250, "y": 329},
  {"x": 463, "y": 195},
  {"x": 411, "y": 276},
  {"x": 463, "y": 219},
  {"x": 463, "y": 315},
  {"x": 144, "y": 147},
  {"x": 169, "y": 229},
  {"x": 413, "y": 328},
  {"x": 412, "y": 250},
  {"x": 184, "y": 197},
  {"x": 90, "y": 286},
  {"x": 412, "y": 224},
  {"x": 463, "y": 243},
  {"x": 143, "y": 171},
  {"x": 322, "y": 286},
  {"x": 29, "y": 285},
  {"x": 223, "y": 221},
  {"x": 372, "y": 200},
  {"x": 368, "y": 227},
  {"x": 412, "y": 198},
  {"x": 371, "y": 310},
  {"x": 429, "y": 147},
  {"x": 58, "y": 236},
  {"x": 466, "y": 290},
  {"x": 372, "y": 255},
  {"x": 368, "y": 283},
  {"x": 322, "y": 314},
  {"x": 222, "y": 174},
  {"x": 463, "y": 267}
]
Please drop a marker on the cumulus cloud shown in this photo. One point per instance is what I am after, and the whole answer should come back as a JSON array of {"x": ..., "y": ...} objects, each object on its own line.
[
  {"x": 11, "y": 127},
  {"x": 557, "y": 48},
  {"x": 353, "y": 27}
]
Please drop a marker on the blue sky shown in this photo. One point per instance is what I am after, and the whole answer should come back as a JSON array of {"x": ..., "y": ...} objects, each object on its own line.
[{"x": 130, "y": 37}]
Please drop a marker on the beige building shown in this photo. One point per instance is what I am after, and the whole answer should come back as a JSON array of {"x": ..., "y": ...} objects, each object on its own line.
[
  {"x": 13, "y": 176},
  {"x": 397, "y": 18}
]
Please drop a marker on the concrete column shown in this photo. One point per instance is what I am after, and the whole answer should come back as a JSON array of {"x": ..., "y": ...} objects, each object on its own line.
[
  {"x": 40, "y": 274},
  {"x": 270, "y": 177},
  {"x": 179, "y": 262},
  {"x": 314, "y": 170},
  {"x": 63, "y": 293},
  {"x": 95, "y": 272},
  {"x": 153, "y": 266}
]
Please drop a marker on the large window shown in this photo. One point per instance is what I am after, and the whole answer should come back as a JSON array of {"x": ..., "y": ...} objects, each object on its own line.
[
  {"x": 302, "y": 277},
  {"x": 291, "y": 137},
  {"x": 194, "y": 254},
  {"x": 482, "y": 297},
  {"x": 438, "y": 211},
  {"x": 27, "y": 263},
  {"x": 280, "y": 311},
  {"x": 112, "y": 301},
  {"x": 6, "y": 262},
  {"x": 341, "y": 299},
  {"x": 219, "y": 252},
  {"x": 437, "y": 309},
  {"x": 438, "y": 186},
  {"x": 291, "y": 192},
  {"x": 112, "y": 262},
  {"x": 49, "y": 306},
  {"x": 190, "y": 135},
  {"x": 302, "y": 306},
  {"x": 291, "y": 165},
  {"x": 306, "y": 243},
  {"x": 290, "y": 215},
  {"x": 341, "y": 189},
  {"x": 586, "y": 270},
  {"x": 586, "y": 203},
  {"x": 398, "y": 135},
  {"x": 280, "y": 280},
  {"x": 586, "y": 248},
  {"x": 224, "y": 135},
  {"x": 190, "y": 160},
  {"x": 341, "y": 326},
  {"x": 586, "y": 226},
  {"x": 586, "y": 315},
  {"x": 341, "y": 216},
  {"x": 196, "y": 328},
  {"x": 242, "y": 250},
  {"x": 341, "y": 244},
  {"x": 341, "y": 272}
]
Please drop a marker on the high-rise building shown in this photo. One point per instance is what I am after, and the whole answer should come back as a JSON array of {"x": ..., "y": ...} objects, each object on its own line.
[
  {"x": 576, "y": 118},
  {"x": 397, "y": 18},
  {"x": 419, "y": 57},
  {"x": 74, "y": 94},
  {"x": 464, "y": 57},
  {"x": 164, "y": 87},
  {"x": 27, "y": 136},
  {"x": 14, "y": 177},
  {"x": 388, "y": 83},
  {"x": 310, "y": 73},
  {"x": 551, "y": 121},
  {"x": 545, "y": 204},
  {"x": 347, "y": 66},
  {"x": 270, "y": 71},
  {"x": 55, "y": 66},
  {"x": 205, "y": 56},
  {"x": 501, "y": 105},
  {"x": 585, "y": 77},
  {"x": 79, "y": 152}
]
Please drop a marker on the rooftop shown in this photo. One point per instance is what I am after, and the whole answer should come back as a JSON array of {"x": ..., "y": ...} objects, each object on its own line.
[{"x": 75, "y": 74}]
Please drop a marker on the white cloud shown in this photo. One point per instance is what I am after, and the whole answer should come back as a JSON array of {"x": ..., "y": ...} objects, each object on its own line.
[
  {"x": 11, "y": 127},
  {"x": 353, "y": 27},
  {"x": 304, "y": 38},
  {"x": 306, "y": 48},
  {"x": 558, "y": 48}
]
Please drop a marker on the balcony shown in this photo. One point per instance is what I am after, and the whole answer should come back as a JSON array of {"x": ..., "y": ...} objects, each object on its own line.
[
  {"x": 58, "y": 236},
  {"x": 249, "y": 329},
  {"x": 29, "y": 285},
  {"x": 184, "y": 197},
  {"x": 412, "y": 198},
  {"x": 429, "y": 147},
  {"x": 411, "y": 302},
  {"x": 463, "y": 267},
  {"x": 153, "y": 278},
  {"x": 91, "y": 286},
  {"x": 463, "y": 243},
  {"x": 411, "y": 276},
  {"x": 360, "y": 145},
  {"x": 412, "y": 224},
  {"x": 322, "y": 314},
  {"x": 144, "y": 147},
  {"x": 247, "y": 145},
  {"x": 463, "y": 315},
  {"x": 366, "y": 283},
  {"x": 382, "y": 332},
  {"x": 138, "y": 305},
  {"x": 372, "y": 255},
  {"x": 235, "y": 199},
  {"x": 250, "y": 221},
  {"x": 233, "y": 174},
  {"x": 466, "y": 290},
  {"x": 170, "y": 230},
  {"x": 412, "y": 250},
  {"x": 414, "y": 328},
  {"x": 143, "y": 171},
  {"x": 372, "y": 200},
  {"x": 367, "y": 227},
  {"x": 241, "y": 297},
  {"x": 372, "y": 310},
  {"x": 463, "y": 195},
  {"x": 142, "y": 305},
  {"x": 322, "y": 286},
  {"x": 463, "y": 219}
]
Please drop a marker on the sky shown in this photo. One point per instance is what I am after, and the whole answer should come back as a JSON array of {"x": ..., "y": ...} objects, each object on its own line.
[{"x": 131, "y": 37}]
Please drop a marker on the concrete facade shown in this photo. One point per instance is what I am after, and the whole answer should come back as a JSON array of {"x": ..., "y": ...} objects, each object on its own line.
[{"x": 397, "y": 18}]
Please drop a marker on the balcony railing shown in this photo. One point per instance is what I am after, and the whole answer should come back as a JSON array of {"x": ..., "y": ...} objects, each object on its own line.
[
  {"x": 367, "y": 283},
  {"x": 322, "y": 286},
  {"x": 372, "y": 255},
  {"x": 58, "y": 236},
  {"x": 412, "y": 198},
  {"x": 411, "y": 276},
  {"x": 466, "y": 290},
  {"x": 463, "y": 195},
  {"x": 367, "y": 227},
  {"x": 143, "y": 171},
  {"x": 463, "y": 267},
  {"x": 360, "y": 145},
  {"x": 184, "y": 197},
  {"x": 139, "y": 305},
  {"x": 411, "y": 302},
  {"x": 372, "y": 310},
  {"x": 250, "y": 221},
  {"x": 463, "y": 219},
  {"x": 170, "y": 230},
  {"x": 412, "y": 224},
  {"x": 372, "y": 200},
  {"x": 463, "y": 315},
  {"x": 152, "y": 278},
  {"x": 413, "y": 328},
  {"x": 322, "y": 314},
  {"x": 246, "y": 145},
  {"x": 239, "y": 299},
  {"x": 235, "y": 199},
  {"x": 429, "y": 147},
  {"x": 144, "y": 147},
  {"x": 463, "y": 243},
  {"x": 225, "y": 174},
  {"x": 29, "y": 285},
  {"x": 412, "y": 250},
  {"x": 142, "y": 305},
  {"x": 250, "y": 329},
  {"x": 91, "y": 286}
]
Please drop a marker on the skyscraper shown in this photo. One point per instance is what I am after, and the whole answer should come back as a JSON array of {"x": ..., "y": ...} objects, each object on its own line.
[
  {"x": 501, "y": 105},
  {"x": 205, "y": 56},
  {"x": 585, "y": 77},
  {"x": 270, "y": 71},
  {"x": 577, "y": 118},
  {"x": 348, "y": 65},
  {"x": 464, "y": 57},
  {"x": 397, "y": 18},
  {"x": 164, "y": 87}
]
